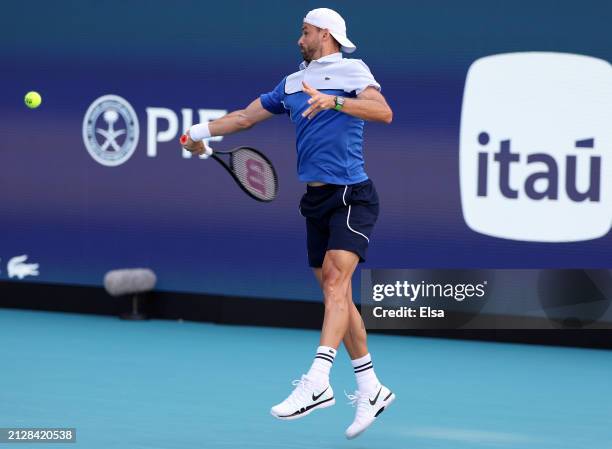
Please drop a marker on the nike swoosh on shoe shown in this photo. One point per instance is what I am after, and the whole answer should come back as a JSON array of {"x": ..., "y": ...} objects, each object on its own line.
[
  {"x": 372, "y": 402},
  {"x": 314, "y": 398}
]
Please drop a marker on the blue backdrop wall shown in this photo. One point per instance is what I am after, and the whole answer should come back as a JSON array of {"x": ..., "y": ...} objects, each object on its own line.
[{"x": 185, "y": 218}]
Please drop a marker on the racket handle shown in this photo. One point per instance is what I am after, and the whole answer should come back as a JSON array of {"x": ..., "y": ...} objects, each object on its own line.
[{"x": 208, "y": 151}]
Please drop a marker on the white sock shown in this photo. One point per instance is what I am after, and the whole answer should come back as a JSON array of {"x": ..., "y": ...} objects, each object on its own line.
[
  {"x": 323, "y": 361},
  {"x": 364, "y": 372}
]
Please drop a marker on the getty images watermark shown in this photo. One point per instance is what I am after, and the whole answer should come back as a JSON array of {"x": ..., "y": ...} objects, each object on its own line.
[{"x": 486, "y": 299}]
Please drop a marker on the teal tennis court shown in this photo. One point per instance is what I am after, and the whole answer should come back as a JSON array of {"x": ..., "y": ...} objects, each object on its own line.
[{"x": 174, "y": 385}]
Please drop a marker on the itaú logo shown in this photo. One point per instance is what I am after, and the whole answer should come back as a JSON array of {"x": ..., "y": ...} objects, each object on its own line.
[{"x": 535, "y": 155}]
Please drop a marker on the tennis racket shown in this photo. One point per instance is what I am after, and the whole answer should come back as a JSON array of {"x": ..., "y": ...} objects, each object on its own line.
[{"x": 251, "y": 170}]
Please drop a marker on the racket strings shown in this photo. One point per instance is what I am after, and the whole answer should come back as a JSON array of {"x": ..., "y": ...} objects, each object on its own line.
[{"x": 255, "y": 173}]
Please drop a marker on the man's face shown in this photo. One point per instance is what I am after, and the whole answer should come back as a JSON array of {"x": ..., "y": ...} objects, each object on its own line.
[{"x": 310, "y": 41}]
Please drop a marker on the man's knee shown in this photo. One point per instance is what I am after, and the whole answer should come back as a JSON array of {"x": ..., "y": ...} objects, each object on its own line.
[
  {"x": 331, "y": 279},
  {"x": 335, "y": 284}
]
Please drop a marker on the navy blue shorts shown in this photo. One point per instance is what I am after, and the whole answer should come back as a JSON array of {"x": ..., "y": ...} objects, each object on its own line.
[{"x": 339, "y": 217}]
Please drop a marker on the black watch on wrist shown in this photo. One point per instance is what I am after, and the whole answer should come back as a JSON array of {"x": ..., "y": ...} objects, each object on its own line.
[{"x": 339, "y": 103}]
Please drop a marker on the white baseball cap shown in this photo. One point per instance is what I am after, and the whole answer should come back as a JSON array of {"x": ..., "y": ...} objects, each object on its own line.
[{"x": 331, "y": 20}]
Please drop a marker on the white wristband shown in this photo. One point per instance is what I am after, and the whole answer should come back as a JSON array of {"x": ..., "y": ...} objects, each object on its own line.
[{"x": 199, "y": 132}]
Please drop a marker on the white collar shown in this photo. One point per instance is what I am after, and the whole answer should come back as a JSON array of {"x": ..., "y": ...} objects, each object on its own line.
[{"x": 334, "y": 57}]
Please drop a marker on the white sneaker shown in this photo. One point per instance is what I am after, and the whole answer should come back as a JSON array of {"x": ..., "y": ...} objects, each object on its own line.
[
  {"x": 368, "y": 409},
  {"x": 303, "y": 400}
]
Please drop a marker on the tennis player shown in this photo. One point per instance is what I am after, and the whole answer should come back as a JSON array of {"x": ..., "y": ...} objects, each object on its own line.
[{"x": 328, "y": 100}]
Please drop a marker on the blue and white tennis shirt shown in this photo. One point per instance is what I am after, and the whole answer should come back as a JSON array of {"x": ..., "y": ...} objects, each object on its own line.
[{"x": 330, "y": 145}]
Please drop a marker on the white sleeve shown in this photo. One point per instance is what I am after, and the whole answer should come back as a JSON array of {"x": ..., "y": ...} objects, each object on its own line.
[{"x": 361, "y": 78}]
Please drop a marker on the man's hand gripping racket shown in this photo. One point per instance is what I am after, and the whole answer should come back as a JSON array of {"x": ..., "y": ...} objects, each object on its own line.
[{"x": 250, "y": 168}]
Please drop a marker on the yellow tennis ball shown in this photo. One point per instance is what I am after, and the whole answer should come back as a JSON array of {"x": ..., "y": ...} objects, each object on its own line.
[{"x": 33, "y": 99}]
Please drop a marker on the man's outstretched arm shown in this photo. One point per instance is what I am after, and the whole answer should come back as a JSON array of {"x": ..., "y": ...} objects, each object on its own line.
[{"x": 228, "y": 124}]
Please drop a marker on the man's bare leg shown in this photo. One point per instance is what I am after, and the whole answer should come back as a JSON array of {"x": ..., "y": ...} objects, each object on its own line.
[
  {"x": 371, "y": 396},
  {"x": 336, "y": 274},
  {"x": 355, "y": 339},
  {"x": 313, "y": 390},
  {"x": 342, "y": 322}
]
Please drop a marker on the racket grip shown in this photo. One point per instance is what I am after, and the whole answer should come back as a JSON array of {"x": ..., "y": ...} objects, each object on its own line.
[{"x": 208, "y": 151}]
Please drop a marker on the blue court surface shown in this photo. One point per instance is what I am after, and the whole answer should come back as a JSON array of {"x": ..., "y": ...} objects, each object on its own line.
[{"x": 169, "y": 384}]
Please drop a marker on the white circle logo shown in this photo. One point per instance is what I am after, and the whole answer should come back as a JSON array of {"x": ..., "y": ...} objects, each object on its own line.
[{"x": 110, "y": 130}]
